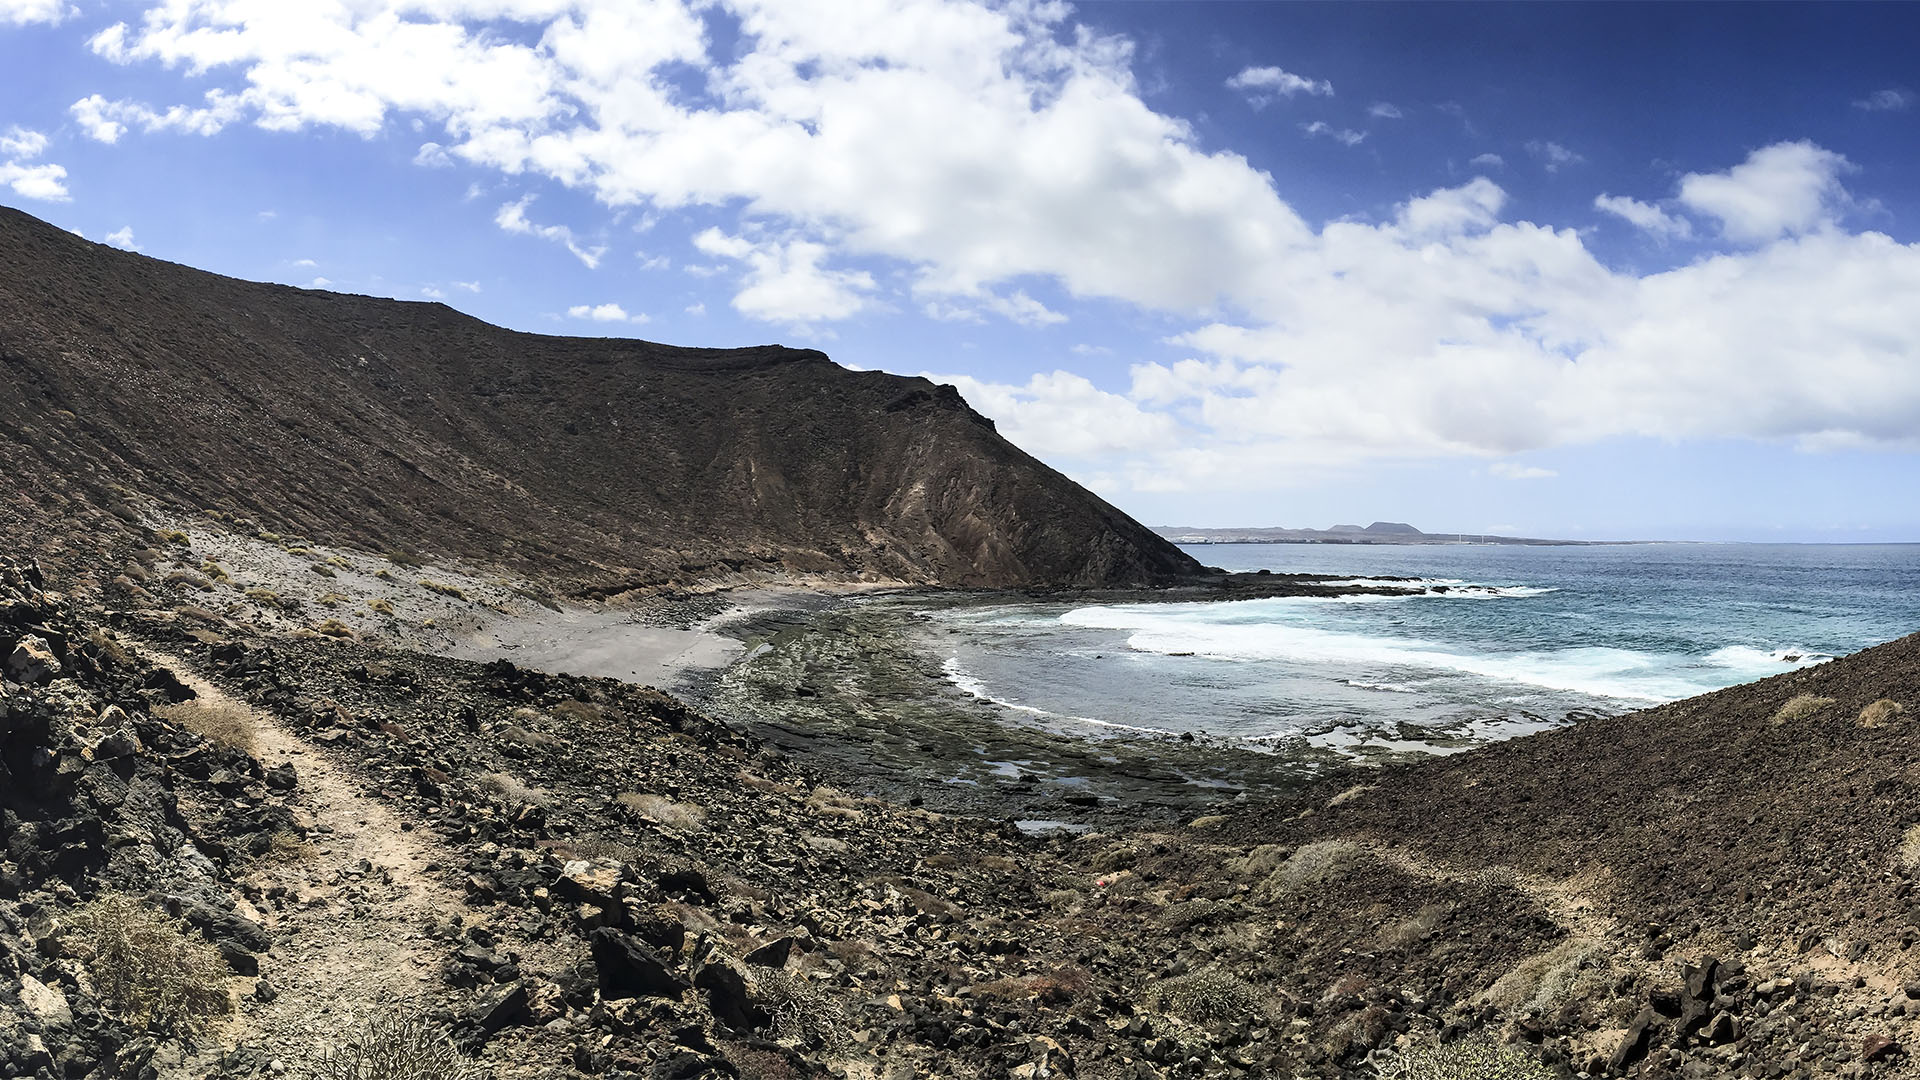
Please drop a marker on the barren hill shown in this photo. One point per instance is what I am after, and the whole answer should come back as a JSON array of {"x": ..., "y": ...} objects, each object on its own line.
[{"x": 607, "y": 464}]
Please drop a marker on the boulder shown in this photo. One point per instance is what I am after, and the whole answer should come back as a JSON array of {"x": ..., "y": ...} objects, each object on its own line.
[
  {"x": 32, "y": 662},
  {"x": 627, "y": 968}
]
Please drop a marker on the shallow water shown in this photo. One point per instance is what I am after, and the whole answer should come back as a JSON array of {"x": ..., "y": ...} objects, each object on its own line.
[{"x": 1501, "y": 641}]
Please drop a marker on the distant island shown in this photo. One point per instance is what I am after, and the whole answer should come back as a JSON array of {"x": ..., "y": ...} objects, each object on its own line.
[{"x": 1380, "y": 532}]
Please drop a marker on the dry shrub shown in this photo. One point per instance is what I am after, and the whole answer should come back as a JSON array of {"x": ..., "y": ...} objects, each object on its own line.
[
  {"x": 1546, "y": 981},
  {"x": 379, "y": 606},
  {"x": 1800, "y": 706},
  {"x": 580, "y": 712},
  {"x": 1910, "y": 849},
  {"x": 1208, "y": 994},
  {"x": 1061, "y": 986},
  {"x": 154, "y": 971},
  {"x": 442, "y": 588},
  {"x": 398, "y": 1045},
  {"x": 527, "y": 736},
  {"x": 661, "y": 810},
  {"x": 1478, "y": 1058},
  {"x": 511, "y": 788},
  {"x": 1259, "y": 862},
  {"x": 802, "y": 1013},
  {"x": 1880, "y": 713},
  {"x": 287, "y": 847},
  {"x": 334, "y": 628},
  {"x": 829, "y": 802},
  {"x": 1310, "y": 865},
  {"x": 228, "y": 723}
]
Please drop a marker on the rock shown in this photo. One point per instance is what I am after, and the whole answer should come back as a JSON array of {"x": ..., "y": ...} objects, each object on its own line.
[
  {"x": 32, "y": 662},
  {"x": 44, "y": 1003},
  {"x": 726, "y": 989},
  {"x": 1879, "y": 1048},
  {"x": 591, "y": 881},
  {"x": 512, "y": 1006},
  {"x": 1633, "y": 1045},
  {"x": 773, "y": 954},
  {"x": 627, "y": 968}
]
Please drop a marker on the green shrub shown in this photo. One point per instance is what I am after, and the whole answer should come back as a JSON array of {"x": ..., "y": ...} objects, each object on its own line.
[
  {"x": 151, "y": 969},
  {"x": 398, "y": 1044}
]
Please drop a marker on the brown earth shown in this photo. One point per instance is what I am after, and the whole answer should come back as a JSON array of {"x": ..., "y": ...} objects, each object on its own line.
[{"x": 605, "y": 465}]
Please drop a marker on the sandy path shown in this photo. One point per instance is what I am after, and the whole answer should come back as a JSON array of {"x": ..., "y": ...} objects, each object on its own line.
[{"x": 350, "y": 928}]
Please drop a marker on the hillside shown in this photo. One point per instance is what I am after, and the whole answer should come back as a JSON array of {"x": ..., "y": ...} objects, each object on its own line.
[{"x": 601, "y": 464}]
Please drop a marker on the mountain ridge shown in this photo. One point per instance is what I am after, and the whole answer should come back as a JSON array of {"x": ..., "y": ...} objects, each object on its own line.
[{"x": 607, "y": 464}]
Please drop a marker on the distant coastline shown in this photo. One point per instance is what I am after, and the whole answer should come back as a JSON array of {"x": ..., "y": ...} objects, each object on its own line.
[{"x": 1380, "y": 532}]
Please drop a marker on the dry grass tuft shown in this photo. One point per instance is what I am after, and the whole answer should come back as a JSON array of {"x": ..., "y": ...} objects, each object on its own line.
[
  {"x": 334, "y": 628},
  {"x": 1799, "y": 707},
  {"x": 227, "y": 723},
  {"x": 1472, "y": 1059},
  {"x": 1209, "y": 994},
  {"x": 687, "y": 817},
  {"x": 442, "y": 588},
  {"x": 1310, "y": 865},
  {"x": 511, "y": 788},
  {"x": 1881, "y": 713}
]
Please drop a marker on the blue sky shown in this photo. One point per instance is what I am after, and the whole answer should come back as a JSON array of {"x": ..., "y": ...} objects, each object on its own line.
[{"x": 1591, "y": 270}]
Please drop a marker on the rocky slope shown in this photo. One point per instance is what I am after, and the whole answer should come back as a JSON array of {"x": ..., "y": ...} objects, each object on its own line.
[
  {"x": 607, "y": 464},
  {"x": 579, "y": 877}
]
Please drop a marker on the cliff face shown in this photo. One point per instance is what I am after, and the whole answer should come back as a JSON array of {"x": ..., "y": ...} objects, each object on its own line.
[{"x": 408, "y": 426}]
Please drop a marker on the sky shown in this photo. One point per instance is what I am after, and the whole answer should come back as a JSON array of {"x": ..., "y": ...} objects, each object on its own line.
[{"x": 1575, "y": 270}]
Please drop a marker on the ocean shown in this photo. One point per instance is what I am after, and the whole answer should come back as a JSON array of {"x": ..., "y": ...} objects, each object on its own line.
[{"x": 1503, "y": 640}]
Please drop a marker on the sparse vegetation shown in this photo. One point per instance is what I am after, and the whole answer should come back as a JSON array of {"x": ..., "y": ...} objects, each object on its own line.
[
  {"x": 442, "y": 588},
  {"x": 1881, "y": 713},
  {"x": 215, "y": 571},
  {"x": 379, "y": 606},
  {"x": 1208, "y": 994},
  {"x": 1472, "y": 1059},
  {"x": 334, "y": 628},
  {"x": 802, "y": 1013},
  {"x": 227, "y": 723},
  {"x": 398, "y": 1044},
  {"x": 511, "y": 788},
  {"x": 664, "y": 811},
  {"x": 1799, "y": 707},
  {"x": 153, "y": 970},
  {"x": 1313, "y": 863}
]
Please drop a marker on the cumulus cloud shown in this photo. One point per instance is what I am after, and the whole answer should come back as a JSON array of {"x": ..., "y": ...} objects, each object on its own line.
[
  {"x": 1644, "y": 216},
  {"x": 1385, "y": 110},
  {"x": 1889, "y": 100},
  {"x": 1779, "y": 190},
  {"x": 28, "y": 12},
  {"x": 1343, "y": 136},
  {"x": 433, "y": 156},
  {"x": 1552, "y": 156},
  {"x": 935, "y": 152},
  {"x": 1261, "y": 85},
  {"x": 1512, "y": 471},
  {"x": 28, "y": 179},
  {"x": 513, "y": 218},
  {"x": 1488, "y": 161},
  {"x": 604, "y": 313},
  {"x": 122, "y": 238}
]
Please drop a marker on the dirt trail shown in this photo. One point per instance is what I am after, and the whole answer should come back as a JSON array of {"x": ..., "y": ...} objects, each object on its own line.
[{"x": 348, "y": 910}]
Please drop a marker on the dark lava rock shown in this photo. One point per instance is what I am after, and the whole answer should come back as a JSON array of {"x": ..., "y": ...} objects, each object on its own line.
[{"x": 628, "y": 968}]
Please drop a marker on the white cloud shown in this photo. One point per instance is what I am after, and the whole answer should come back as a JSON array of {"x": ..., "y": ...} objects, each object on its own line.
[
  {"x": 432, "y": 293},
  {"x": 28, "y": 12},
  {"x": 696, "y": 310},
  {"x": 1779, "y": 190},
  {"x": 469, "y": 286},
  {"x": 1888, "y": 100},
  {"x": 785, "y": 280},
  {"x": 1063, "y": 415},
  {"x": 513, "y": 218},
  {"x": 105, "y": 121},
  {"x": 1261, "y": 84},
  {"x": 305, "y": 263},
  {"x": 1015, "y": 307},
  {"x": 1512, "y": 471},
  {"x": 861, "y": 155},
  {"x": 604, "y": 313},
  {"x": 44, "y": 180},
  {"x": 1552, "y": 156},
  {"x": 1489, "y": 161},
  {"x": 122, "y": 238},
  {"x": 1644, "y": 216},
  {"x": 1385, "y": 110},
  {"x": 433, "y": 156},
  {"x": 1343, "y": 136}
]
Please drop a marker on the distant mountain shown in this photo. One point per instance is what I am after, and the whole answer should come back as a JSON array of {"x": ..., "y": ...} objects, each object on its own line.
[
  {"x": 1380, "y": 532},
  {"x": 603, "y": 464}
]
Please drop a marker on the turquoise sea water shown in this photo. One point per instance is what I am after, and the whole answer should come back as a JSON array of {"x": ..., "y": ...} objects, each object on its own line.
[{"x": 1503, "y": 641}]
